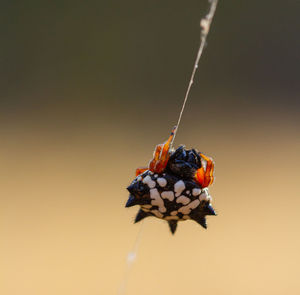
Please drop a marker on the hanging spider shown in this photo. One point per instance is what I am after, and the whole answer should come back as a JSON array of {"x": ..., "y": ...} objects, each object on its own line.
[{"x": 174, "y": 186}]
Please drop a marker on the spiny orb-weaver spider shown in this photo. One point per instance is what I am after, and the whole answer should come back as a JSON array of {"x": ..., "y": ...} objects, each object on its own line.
[{"x": 174, "y": 186}]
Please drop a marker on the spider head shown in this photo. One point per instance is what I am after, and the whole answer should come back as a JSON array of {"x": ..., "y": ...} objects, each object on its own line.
[{"x": 184, "y": 163}]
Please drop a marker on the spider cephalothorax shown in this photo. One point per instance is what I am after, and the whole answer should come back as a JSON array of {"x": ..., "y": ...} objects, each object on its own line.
[{"x": 174, "y": 186}]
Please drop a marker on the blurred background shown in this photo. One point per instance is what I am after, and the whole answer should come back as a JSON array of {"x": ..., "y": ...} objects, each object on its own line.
[{"x": 88, "y": 88}]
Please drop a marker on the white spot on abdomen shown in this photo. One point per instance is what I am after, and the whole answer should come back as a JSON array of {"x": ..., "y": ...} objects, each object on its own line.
[
  {"x": 171, "y": 218},
  {"x": 147, "y": 180},
  {"x": 183, "y": 200},
  {"x": 157, "y": 213},
  {"x": 179, "y": 188},
  {"x": 145, "y": 209},
  {"x": 157, "y": 200},
  {"x": 187, "y": 209},
  {"x": 196, "y": 192},
  {"x": 162, "y": 181},
  {"x": 168, "y": 195}
]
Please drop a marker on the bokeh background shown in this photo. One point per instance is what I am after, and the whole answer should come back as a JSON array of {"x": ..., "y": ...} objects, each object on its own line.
[{"x": 88, "y": 88}]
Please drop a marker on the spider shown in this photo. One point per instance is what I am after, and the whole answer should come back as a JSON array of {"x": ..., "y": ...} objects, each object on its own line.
[{"x": 174, "y": 186}]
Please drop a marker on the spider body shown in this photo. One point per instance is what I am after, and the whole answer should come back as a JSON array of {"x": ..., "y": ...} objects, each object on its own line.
[{"x": 174, "y": 186}]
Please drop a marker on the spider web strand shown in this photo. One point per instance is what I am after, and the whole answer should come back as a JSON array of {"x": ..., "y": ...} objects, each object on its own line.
[
  {"x": 205, "y": 26},
  {"x": 131, "y": 257}
]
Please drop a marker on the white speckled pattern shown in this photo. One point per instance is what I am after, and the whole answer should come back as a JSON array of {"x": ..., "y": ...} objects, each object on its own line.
[
  {"x": 168, "y": 195},
  {"x": 147, "y": 180},
  {"x": 196, "y": 192},
  {"x": 172, "y": 203},
  {"x": 157, "y": 213},
  {"x": 157, "y": 200},
  {"x": 183, "y": 200},
  {"x": 187, "y": 209},
  {"x": 171, "y": 218},
  {"x": 145, "y": 209},
  {"x": 161, "y": 181},
  {"x": 186, "y": 217},
  {"x": 179, "y": 187}
]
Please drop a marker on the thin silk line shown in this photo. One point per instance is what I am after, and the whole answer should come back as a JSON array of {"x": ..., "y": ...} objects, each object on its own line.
[
  {"x": 205, "y": 26},
  {"x": 131, "y": 256}
]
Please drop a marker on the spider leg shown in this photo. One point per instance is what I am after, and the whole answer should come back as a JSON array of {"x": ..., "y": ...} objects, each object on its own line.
[
  {"x": 166, "y": 146},
  {"x": 156, "y": 155},
  {"x": 205, "y": 178},
  {"x": 209, "y": 173},
  {"x": 161, "y": 155},
  {"x": 140, "y": 170}
]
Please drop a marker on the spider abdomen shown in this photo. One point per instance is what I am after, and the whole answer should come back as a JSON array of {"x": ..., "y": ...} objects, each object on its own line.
[{"x": 167, "y": 196}]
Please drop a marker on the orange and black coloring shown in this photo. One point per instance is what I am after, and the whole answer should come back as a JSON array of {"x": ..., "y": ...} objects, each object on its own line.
[{"x": 174, "y": 186}]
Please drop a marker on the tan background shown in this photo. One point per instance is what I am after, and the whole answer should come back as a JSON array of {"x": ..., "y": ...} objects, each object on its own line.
[{"x": 88, "y": 90}]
